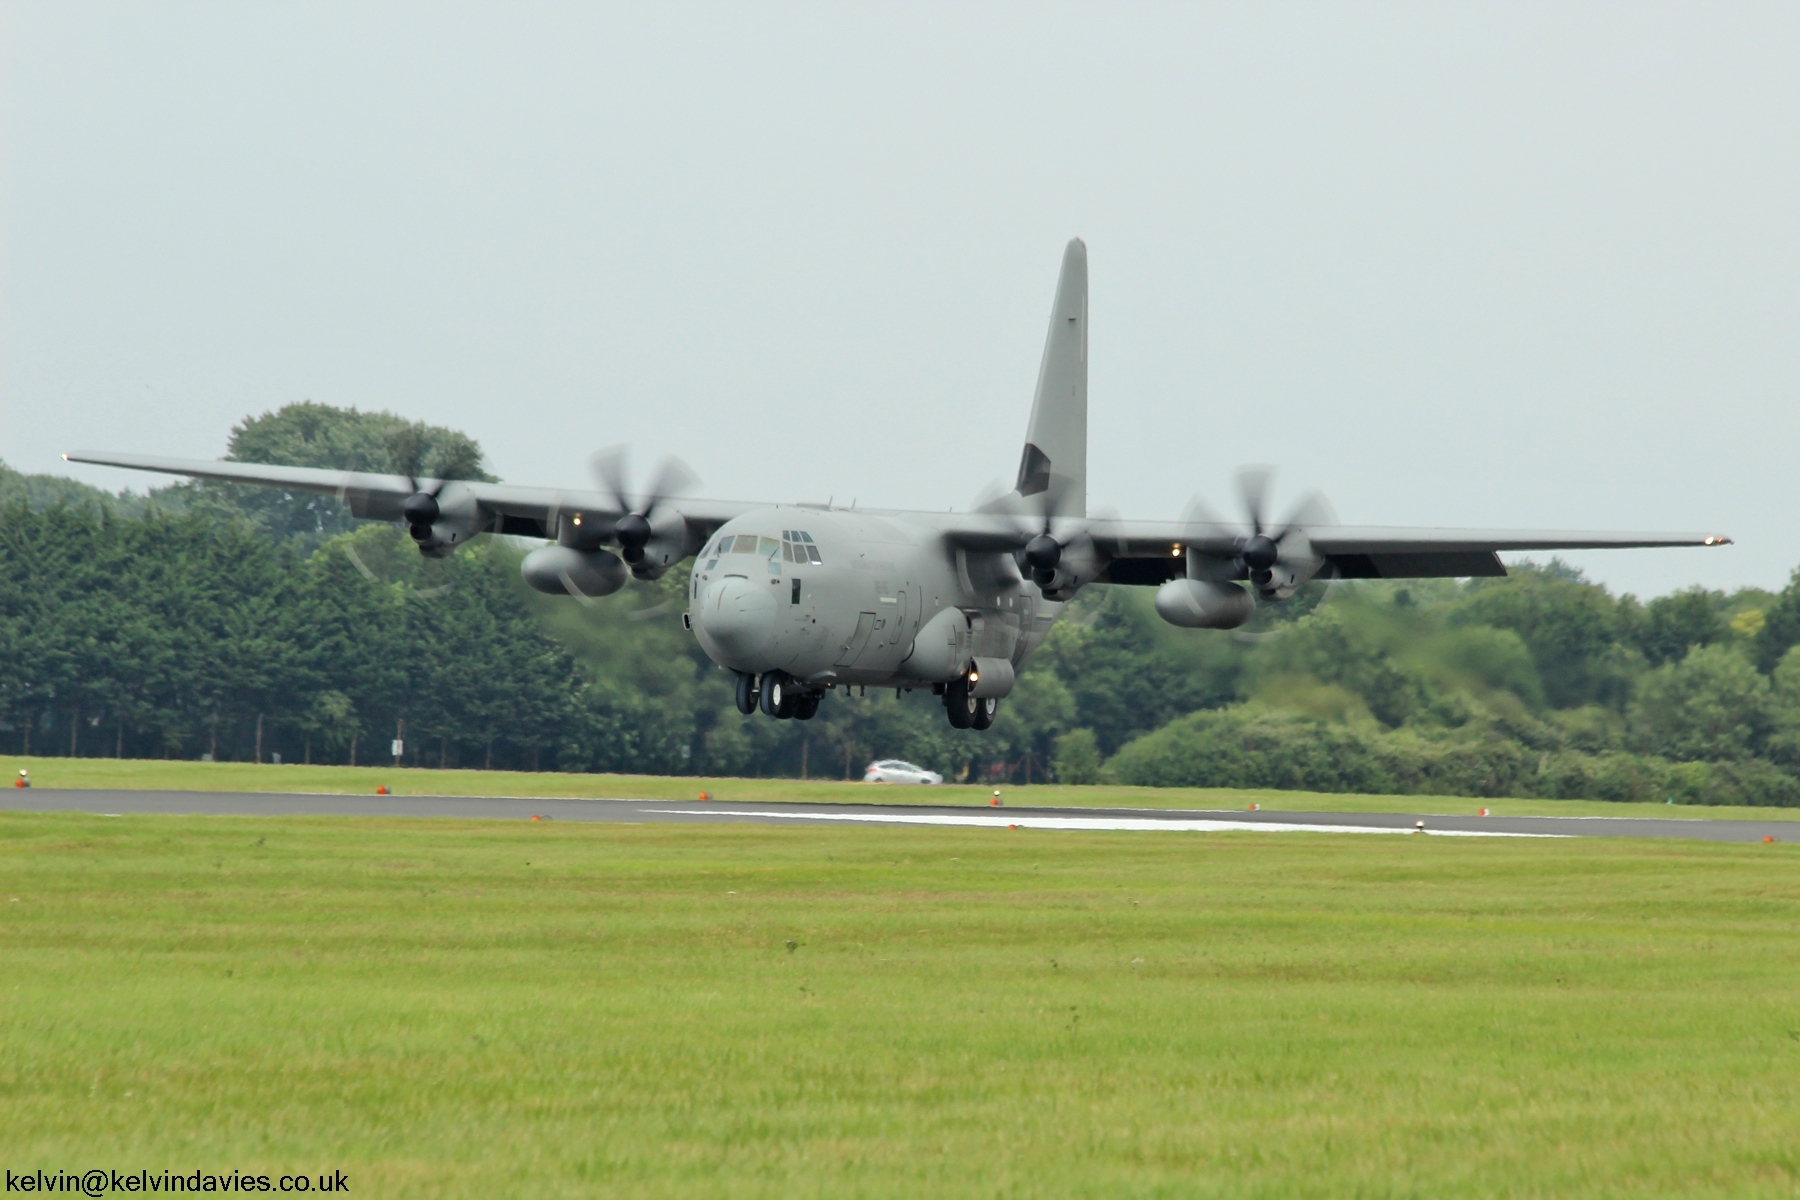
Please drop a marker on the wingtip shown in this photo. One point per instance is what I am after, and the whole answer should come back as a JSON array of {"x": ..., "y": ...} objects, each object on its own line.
[{"x": 1716, "y": 539}]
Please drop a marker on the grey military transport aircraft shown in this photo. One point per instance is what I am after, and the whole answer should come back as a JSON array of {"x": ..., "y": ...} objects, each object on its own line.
[{"x": 798, "y": 599}]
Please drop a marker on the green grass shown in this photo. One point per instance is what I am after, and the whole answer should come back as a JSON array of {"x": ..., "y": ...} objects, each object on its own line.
[
  {"x": 251, "y": 777},
  {"x": 444, "y": 1008}
]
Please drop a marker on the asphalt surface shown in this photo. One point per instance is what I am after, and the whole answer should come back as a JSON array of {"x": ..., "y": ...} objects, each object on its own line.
[{"x": 270, "y": 804}]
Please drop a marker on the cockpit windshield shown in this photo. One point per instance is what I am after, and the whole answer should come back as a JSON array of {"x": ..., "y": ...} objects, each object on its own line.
[{"x": 794, "y": 546}]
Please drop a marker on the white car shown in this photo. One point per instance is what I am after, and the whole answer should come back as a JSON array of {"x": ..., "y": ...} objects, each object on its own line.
[{"x": 892, "y": 770}]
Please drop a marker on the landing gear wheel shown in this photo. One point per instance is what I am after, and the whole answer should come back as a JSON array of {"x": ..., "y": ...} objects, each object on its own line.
[
  {"x": 746, "y": 693},
  {"x": 959, "y": 704},
  {"x": 807, "y": 706},
  {"x": 779, "y": 695},
  {"x": 984, "y": 713}
]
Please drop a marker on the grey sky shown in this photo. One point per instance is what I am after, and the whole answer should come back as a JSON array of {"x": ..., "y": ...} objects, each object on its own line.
[{"x": 1450, "y": 264}]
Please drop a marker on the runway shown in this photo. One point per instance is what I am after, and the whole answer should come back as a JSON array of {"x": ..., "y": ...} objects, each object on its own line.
[{"x": 271, "y": 804}]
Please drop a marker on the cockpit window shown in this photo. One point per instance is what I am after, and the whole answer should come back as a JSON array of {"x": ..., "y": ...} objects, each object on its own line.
[
  {"x": 768, "y": 547},
  {"x": 797, "y": 547}
]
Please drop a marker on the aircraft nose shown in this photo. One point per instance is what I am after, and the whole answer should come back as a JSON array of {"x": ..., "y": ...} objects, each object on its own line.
[{"x": 738, "y": 618}]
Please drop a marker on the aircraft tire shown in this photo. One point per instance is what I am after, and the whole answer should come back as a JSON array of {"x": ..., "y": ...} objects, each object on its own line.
[
  {"x": 984, "y": 713},
  {"x": 746, "y": 693},
  {"x": 807, "y": 706},
  {"x": 958, "y": 704},
  {"x": 779, "y": 695}
]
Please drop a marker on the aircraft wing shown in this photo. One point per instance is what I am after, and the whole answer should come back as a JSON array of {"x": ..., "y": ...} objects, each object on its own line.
[
  {"x": 1151, "y": 552},
  {"x": 525, "y": 511}
]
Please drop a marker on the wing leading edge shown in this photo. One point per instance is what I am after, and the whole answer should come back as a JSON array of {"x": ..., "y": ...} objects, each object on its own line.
[
  {"x": 1139, "y": 552},
  {"x": 1152, "y": 552},
  {"x": 526, "y": 511}
]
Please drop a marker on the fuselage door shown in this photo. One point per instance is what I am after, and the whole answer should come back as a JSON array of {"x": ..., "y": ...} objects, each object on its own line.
[{"x": 865, "y": 624}]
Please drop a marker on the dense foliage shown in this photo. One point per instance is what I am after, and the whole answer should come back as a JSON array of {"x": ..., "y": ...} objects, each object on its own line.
[{"x": 248, "y": 623}]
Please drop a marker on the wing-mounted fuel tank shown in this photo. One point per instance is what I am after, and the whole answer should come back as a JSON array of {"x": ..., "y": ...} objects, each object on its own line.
[
  {"x": 569, "y": 571},
  {"x": 1203, "y": 604}
]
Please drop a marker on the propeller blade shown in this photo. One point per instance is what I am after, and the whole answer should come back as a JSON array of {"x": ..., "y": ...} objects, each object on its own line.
[
  {"x": 459, "y": 460},
  {"x": 1201, "y": 513},
  {"x": 1253, "y": 488},
  {"x": 1312, "y": 511},
  {"x": 609, "y": 471},
  {"x": 406, "y": 449},
  {"x": 671, "y": 478}
]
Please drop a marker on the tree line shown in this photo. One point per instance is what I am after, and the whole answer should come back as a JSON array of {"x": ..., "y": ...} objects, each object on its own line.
[{"x": 241, "y": 623}]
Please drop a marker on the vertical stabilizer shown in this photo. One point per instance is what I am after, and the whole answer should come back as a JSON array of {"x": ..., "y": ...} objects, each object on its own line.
[{"x": 1054, "y": 464}]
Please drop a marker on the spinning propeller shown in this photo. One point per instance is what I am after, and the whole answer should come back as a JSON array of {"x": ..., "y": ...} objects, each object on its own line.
[
  {"x": 1052, "y": 543},
  {"x": 407, "y": 448},
  {"x": 633, "y": 531},
  {"x": 1276, "y": 558}
]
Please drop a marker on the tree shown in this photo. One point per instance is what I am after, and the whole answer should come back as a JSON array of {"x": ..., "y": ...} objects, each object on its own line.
[
  {"x": 1712, "y": 705},
  {"x": 1670, "y": 625},
  {"x": 1573, "y": 629},
  {"x": 1078, "y": 757},
  {"x": 307, "y": 434},
  {"x": 1781, "y": 625}
]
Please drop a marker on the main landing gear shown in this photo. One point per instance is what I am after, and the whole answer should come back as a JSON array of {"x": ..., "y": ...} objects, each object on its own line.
[
  {"x": 966, "y": 711},
  {"x": 778, "y": 695}
]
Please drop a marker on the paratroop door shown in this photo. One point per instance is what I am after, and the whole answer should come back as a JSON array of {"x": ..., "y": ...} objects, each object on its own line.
[{"x": 865, "y": 623}]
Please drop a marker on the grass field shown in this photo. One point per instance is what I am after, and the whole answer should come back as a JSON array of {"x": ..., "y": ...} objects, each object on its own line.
[
  {"x": 251, "y": 777},
  {"x": 443, "y": 1008}
]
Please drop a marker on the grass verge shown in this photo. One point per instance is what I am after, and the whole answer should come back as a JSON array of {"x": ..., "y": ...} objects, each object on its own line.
[
  {"x": 444, "y": 1008},
  {"x": 253, "y": 777}
]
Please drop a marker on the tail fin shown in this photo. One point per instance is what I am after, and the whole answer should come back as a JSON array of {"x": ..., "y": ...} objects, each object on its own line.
[{"x": 1055, "y": 458}]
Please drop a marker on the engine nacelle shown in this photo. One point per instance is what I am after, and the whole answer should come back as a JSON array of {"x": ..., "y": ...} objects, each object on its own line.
[
  {"x": 666, "y": 547},
  {"x": 1202, "y": 604},
  {"x": 990, "y": 677},
  {"x": 566, "y": 571},
  {"x": 457, "y": 519},
  {"x": 1078, "y": 566}
]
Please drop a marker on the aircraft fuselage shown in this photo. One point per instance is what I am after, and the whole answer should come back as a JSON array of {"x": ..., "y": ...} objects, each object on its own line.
[{"x": 830, "y": 596}]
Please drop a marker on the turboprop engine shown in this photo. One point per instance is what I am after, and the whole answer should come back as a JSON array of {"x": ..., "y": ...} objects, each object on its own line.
[
  {"x": 440, "y": 516},
  {"x": 1203, "y": 604}
]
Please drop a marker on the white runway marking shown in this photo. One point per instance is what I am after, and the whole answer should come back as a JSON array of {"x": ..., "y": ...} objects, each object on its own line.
[{"x": 1103, "y": 823}]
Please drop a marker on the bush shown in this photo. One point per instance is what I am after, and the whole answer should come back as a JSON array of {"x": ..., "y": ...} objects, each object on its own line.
[
  {"x": 1077, "y": 757},
  {"x": 1253, "y": 747}
]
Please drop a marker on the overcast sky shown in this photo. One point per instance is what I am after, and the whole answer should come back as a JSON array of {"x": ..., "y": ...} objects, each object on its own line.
[{"x": 1451, "y": 264}]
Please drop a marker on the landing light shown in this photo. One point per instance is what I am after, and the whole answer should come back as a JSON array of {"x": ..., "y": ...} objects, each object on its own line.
[
  {"x": 1175, "y": 551},
  {"x": 577, "y": 518}
]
